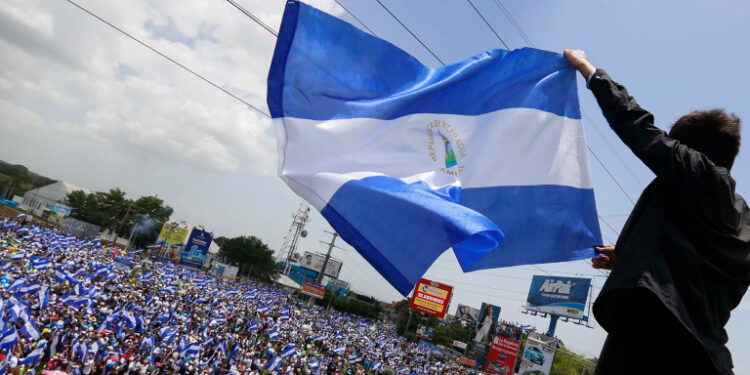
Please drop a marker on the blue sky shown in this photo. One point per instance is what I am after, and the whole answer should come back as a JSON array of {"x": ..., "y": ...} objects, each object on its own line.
[{"x": 85, "y": 104}]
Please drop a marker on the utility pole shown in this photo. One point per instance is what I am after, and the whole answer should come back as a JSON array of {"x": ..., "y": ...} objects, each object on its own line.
[
  {"x": 328, "y": 256},
  {"x": 299, "y": 219},
  {"x": 127, "y": 213}
]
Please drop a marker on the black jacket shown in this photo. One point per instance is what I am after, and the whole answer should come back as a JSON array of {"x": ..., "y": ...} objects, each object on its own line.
[{"x": 687, "y": 240}]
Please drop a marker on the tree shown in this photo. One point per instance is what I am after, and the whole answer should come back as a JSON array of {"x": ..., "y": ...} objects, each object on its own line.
[
  {"x": 253, "y": 256},
  {"x": 112, "y": 211}
]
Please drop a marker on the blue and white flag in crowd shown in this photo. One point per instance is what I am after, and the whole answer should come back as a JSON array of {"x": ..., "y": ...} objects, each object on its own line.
[
  {"x": 288, "y": 351},
  {"x": 486, "y": 155},
  {"x": 30, "y": 330},
  {"x": 43, "y": 297},
  {"x": 274, "y": 364},
  {"x": 34, "y": 356},
  {"x": 8, "y": 338},
  {"x": 273, "y": 335},
  {"x": 339, "y": 349}
]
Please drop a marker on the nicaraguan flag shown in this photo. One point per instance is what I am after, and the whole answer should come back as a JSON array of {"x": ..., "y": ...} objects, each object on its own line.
[
  {"x": 8, "y": 339},
  {"x": 30, "y": 330},
  {"x": 43, "y": 297},
  {"x": 34, "y": 356},
  {"x": 339, "y": 349},
  {"x": 486, "y": 155},
  {"x": 288, "y": 351},
  {"x": 274, "y": 364}
]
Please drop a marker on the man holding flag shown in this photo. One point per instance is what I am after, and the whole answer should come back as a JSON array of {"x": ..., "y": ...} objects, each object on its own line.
[{"x": 682, "y": 261}]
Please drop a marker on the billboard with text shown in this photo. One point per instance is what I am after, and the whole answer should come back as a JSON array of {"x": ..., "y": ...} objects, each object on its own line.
[
  {"x": 315, "y": 262},
  {"x": 538, "y": 355},
  {"x": 558, "y": 295},
  {"x": 431, "y": 298}
]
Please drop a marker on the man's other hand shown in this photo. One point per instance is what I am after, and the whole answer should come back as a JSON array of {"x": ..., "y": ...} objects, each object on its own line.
[
  {"x": 606, "y": 259},
  {"x": 579, "y": 61}
]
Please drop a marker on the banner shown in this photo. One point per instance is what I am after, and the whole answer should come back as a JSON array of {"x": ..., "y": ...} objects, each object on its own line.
[
  {"x": 431, "y": 298},
  {"x": 312, "y": 289},
  {"x": 61, "y": 211},
  {"x": 314, "y": 262},
  {"x": 558, "y": 295},
  {"x": 467, "y": 314},
  {"x": 426, "y": 333},
  {"x": 503, "y": 354},
  {"x": 196, "y": 248},
  {"x": 538, "y": 356},
  {"x": 485, "y": 329},
  {"x": 459, "y": 344},
  {"x": 173, "y": 233}
]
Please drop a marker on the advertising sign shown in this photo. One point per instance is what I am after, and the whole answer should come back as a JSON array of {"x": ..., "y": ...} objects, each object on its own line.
[
  {"x": 425, "y": 332},
  {"x": 315, "y": 262},
  {"x": 431, "y": 298},
  {"x": 467, "y": 314},
  {"x": 196, "y": 248},
  {"x": 538, "y": 356},
  {"x": 173, "y": 233},
  {"x": 312, "y": 289},
  {"x": 502, "y": 357},
  {"x": 564, "y": 296},
  {"x": 61, "y": 211},
  {"x": 481, "y": 338},
  {"x": 459, "y": 344}
]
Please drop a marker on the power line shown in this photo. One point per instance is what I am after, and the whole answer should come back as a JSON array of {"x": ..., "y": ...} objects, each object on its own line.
[
  {"x": 253, "y": 17},
  {"x": 514, "y": 23},
  {"x": 595, "y": 126},
  {"x": 169, "y": 58},
  {"x": 355, "y": 17},
  {"x": 488, "y": 24},
  {"x": 410, "y": 32},
  {"x": 611, "y": 175}
]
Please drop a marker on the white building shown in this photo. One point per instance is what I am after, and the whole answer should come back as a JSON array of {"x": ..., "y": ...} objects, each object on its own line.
[{"x": 44, "y": 198}]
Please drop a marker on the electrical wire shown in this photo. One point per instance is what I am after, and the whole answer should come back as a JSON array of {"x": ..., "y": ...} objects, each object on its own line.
[
  {"x": 353, "y": 16},
  {"x": 253, "y": 17},
  {"x": 488, "y": 24},
  {"x": 410, "y": 32},
  {"x": 169, "y": 58}
]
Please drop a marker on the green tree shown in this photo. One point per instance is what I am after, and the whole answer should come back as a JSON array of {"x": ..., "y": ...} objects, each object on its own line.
[
  {"x": 253, "y": 256},
  {"x": 112, "y": 211}
]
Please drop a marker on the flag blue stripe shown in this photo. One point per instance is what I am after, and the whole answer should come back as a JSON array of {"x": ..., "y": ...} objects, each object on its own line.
[
  {"x": 542, "y": 223},
  {"x": 311, "y": 76},
  {"x": 402, "y": 228}
]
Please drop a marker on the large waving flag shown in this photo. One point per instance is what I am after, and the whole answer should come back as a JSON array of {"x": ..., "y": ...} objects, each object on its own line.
[{"x": 486, "y": 155}]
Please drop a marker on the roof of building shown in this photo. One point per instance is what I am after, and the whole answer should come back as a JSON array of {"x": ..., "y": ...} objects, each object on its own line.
[{"x": 56, "y": 191}]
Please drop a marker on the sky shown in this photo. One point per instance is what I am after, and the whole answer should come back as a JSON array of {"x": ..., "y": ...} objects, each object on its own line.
[{"x": 80, "y": 102}]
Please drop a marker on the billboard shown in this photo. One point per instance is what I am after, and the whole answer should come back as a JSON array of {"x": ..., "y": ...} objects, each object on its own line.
[
  {"x": 173, "y": 233},
  {"x": 196, "y": 248},
  {"x": 61, "y": 211},
  {"x": 558, "y": 295},
  {"x": 467, "y": 314},
  {"x": 538, "y": 356},
  {"x": 459, "y": 344},
  {"x": 314, "y": 262},
  {"x": 481, "y": 338},
  {"x": 426, "y": 333},
  {"x": 312, "y": 289},
  {"x": 503, "y": 354},
  {"x": 431, "y": 298}
]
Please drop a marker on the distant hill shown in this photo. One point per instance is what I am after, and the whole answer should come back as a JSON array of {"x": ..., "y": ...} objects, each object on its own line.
[{"x": 15, "y": 179}]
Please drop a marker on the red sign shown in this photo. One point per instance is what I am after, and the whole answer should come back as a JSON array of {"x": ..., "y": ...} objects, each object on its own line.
[
  {"x": 315, "y": 290},
  {"x": 503, "y": 354},
  {"x": 431, "y": 298}
]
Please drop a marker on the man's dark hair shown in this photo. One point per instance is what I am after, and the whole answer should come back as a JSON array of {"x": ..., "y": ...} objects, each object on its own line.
[{"x": 715, "y": 133}]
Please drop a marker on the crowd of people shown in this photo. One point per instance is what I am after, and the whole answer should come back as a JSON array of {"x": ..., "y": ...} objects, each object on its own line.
[{"x": 77, "y": 307}]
